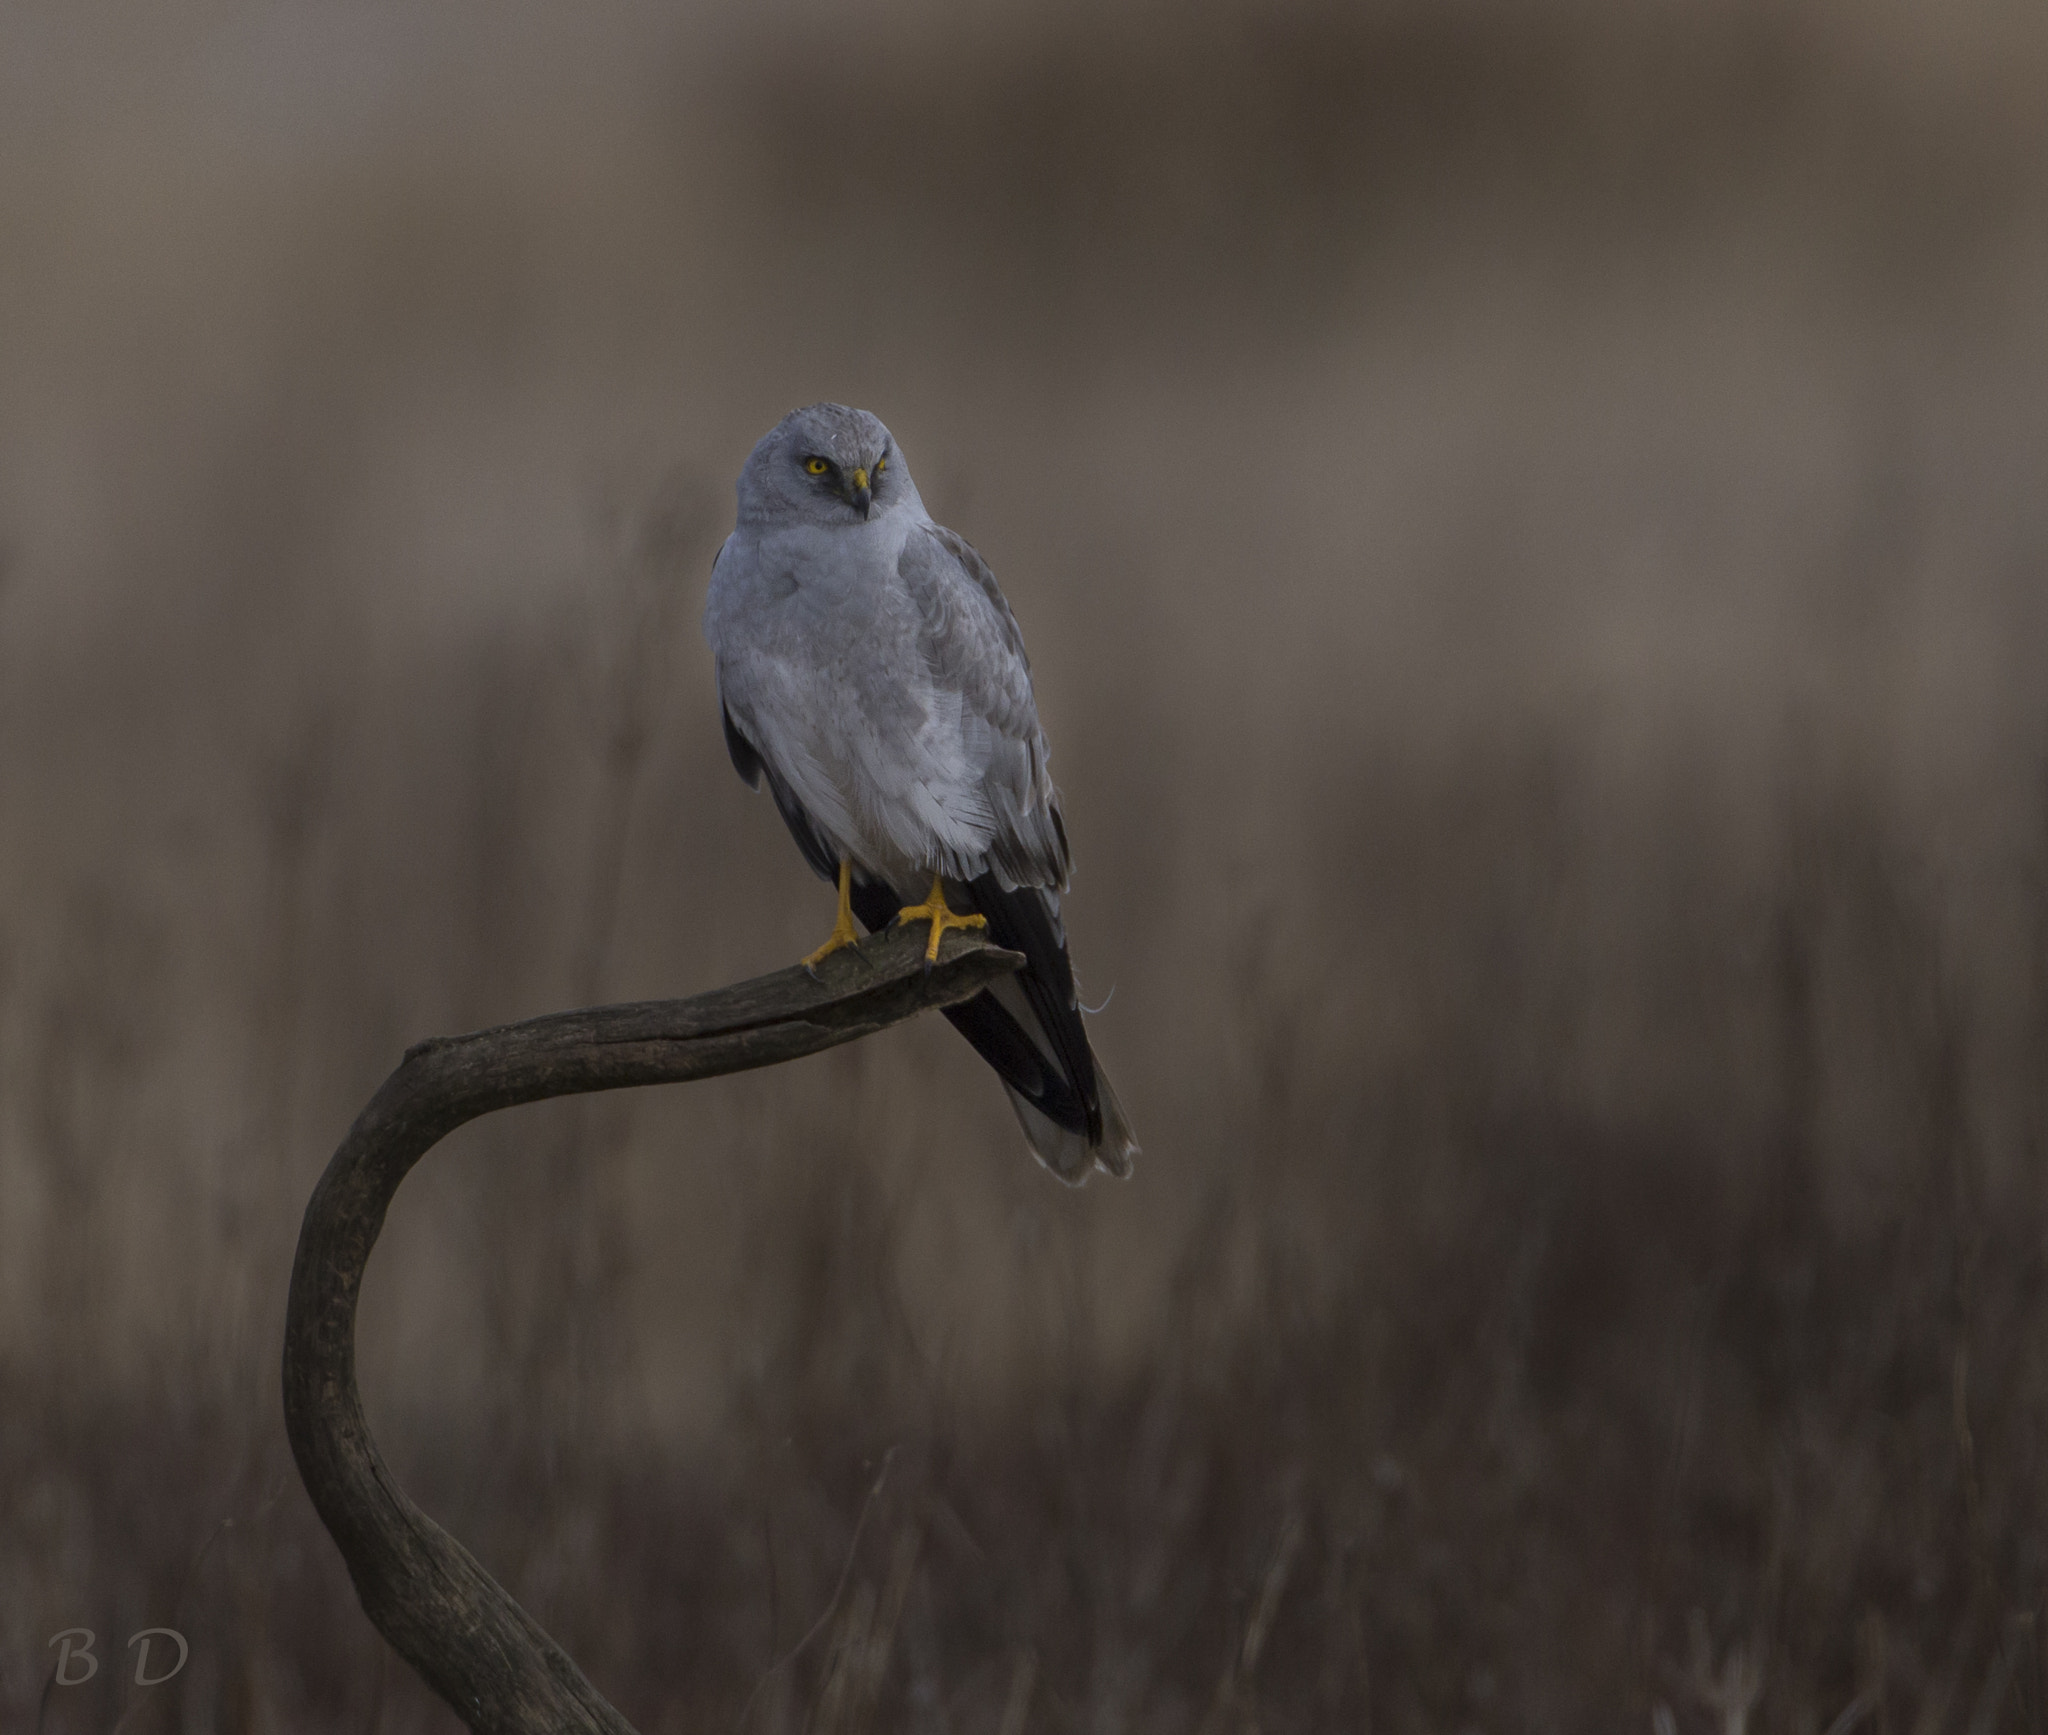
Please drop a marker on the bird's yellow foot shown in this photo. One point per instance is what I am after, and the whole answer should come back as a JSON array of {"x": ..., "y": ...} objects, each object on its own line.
[
  {"x": 935, "y": 911},
  {"x": 842, "y": 930}
]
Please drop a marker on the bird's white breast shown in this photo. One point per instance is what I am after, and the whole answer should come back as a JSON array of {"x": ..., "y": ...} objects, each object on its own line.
[{"x": 817, "y": 642}]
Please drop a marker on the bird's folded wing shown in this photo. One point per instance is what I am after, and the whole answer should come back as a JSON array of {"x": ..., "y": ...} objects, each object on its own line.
[{"x": 972, "y": 649}]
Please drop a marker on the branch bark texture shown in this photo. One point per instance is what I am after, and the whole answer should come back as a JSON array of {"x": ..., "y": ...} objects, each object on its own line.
[{"x": 424, "y": 1591}]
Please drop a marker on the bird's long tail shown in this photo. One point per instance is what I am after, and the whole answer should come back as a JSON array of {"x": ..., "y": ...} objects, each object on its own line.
[{"x": 1028, "y": 1028}]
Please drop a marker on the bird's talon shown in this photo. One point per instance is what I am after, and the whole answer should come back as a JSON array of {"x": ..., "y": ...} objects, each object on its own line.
[
  {"x": 843, "y": 931},
  {"x": 936, "y": 911},
  {"x": 834, "y": 944}
]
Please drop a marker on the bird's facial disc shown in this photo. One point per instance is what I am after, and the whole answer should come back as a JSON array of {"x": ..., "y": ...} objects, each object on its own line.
[{"x": 856, "y": 483}]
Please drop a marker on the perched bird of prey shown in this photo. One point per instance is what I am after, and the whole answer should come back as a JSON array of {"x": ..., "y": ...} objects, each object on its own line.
[{"x": 869, "y": 667}]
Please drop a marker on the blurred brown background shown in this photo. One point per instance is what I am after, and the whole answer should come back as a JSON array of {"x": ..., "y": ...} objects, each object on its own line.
[{"x": 1530, "y": 521}]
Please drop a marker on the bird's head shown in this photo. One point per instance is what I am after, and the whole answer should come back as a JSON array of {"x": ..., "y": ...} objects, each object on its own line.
[{"x": 824, "y": 464}]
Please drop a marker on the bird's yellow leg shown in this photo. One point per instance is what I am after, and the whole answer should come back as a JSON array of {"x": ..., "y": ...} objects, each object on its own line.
[
  {"x": 935, "y": 911},
  {"x": 842, "y": 930}
]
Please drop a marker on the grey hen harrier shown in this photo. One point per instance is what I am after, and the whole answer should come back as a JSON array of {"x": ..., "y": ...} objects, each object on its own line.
[{"x": 869, "y": 666}]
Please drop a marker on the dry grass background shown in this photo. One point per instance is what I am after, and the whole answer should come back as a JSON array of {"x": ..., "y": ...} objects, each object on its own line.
[{"x": 1531, "y": 522}]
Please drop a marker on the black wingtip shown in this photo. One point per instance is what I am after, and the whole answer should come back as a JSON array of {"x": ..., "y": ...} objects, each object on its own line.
[
  {"x": 1023, "y": 921},
  {"x": 744, "y": 759}
]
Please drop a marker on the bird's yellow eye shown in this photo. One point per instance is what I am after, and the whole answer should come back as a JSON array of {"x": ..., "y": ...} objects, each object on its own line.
[
  {"x": 881, "y": 464},
  {"x": 816, "y": 466}
]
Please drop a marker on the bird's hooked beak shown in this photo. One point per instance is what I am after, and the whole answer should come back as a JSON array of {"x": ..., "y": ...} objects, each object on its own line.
[{"x": 862, "y": 496}]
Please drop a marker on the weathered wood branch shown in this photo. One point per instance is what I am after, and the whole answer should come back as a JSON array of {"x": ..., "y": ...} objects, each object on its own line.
[{"x": 422, "y": 1589}]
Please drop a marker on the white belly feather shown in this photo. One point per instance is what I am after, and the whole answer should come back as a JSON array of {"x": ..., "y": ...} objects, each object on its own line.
[{"x": 819, "y": 661}]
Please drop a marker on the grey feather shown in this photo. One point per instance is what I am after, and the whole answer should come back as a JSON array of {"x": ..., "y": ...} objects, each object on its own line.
[{"x": 972, "y": 645}]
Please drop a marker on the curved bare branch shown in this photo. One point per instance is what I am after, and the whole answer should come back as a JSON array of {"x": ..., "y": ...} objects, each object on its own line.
[{"x": 424, "y": 1591}]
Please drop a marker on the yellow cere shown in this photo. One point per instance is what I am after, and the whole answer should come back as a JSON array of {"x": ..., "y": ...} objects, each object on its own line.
[{"x": 860, "y": 478}]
